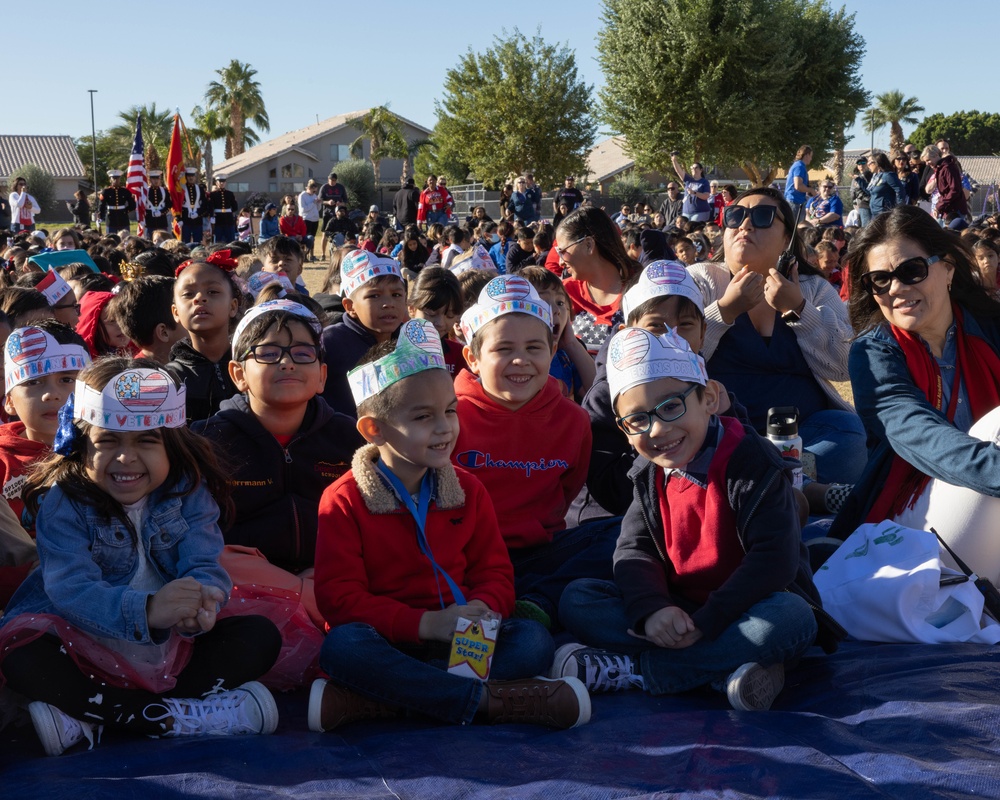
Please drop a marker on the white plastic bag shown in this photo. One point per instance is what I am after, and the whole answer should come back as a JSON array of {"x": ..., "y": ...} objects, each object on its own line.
[{"x": 883, "y": 584}]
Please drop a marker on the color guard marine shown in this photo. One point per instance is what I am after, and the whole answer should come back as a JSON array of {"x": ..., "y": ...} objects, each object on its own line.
[
  {"x": 158, "y": 204},
  {"x": 222, "y": 207},
  {"x": 193, "y": 208},
  {"x": 116, "y": 204}
]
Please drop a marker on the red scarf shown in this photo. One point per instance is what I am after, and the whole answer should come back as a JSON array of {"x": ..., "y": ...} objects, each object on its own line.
[{"x": 905, "y": 482}]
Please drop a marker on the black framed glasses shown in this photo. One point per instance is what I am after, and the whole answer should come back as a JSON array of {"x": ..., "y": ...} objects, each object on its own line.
[
  {"x": 912, "y": 271},
  {"x": 74, "y": 306},
  {"x": 674, "y": 407},
  {"x": 273, "y": 353},
  {"x": 761, "y": 216}
]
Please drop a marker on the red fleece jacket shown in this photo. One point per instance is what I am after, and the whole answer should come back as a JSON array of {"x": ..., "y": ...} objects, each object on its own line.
[
  {"x": 16, "y": 455},
  {"x": 369, "y": 567},
  {"x": 534, "y": 460}
]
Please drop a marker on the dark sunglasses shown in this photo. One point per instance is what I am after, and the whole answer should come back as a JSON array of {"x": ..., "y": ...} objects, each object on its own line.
[
  {"x": 761, "y": 216},
  {"x": 910, "y": 272}
]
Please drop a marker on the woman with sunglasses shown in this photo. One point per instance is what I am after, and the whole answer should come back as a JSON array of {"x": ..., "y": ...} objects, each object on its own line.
[
  {"x": 779, "y": 341},
  {"x": 589, "y": 245},
  {"x": 926, "y": 376}
]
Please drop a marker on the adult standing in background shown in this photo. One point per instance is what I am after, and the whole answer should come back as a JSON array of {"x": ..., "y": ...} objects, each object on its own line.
[
  {"x": 520, "y": 204},
  {"x": 309, "y": 211},
  {"x": 449, "y": 201},
  {"x": 116, "y": 204},
  {"x": 192, "y": 208},
  {"x": 331, "y": 195},
  {"x": 431, "y": 208},
  {"x": 572, "y": 196},
  {"x": 223, "y": 208},
  {"x": 158, "y": 204},
  {"x": 797, "y": 189},
  {"x": 885, "y": 189},
  {"x": 405, "y": 203},
  {"x": 23, "y": 207},
  {"x": 859, "y": 191},
  {"x": 673, "y": 206},
  {"x": 534, "y": 194},
  {"x": 947, "y": 181},
  {"x": 697, "y": 189}
]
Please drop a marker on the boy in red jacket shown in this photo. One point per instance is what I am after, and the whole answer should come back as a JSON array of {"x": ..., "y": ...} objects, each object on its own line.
[
  {"x": 528, "y": 444},
  {"x": 406, "y": 546}
]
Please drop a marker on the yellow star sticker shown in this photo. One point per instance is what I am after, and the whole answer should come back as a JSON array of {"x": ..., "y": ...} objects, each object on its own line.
[{"x": 473, "y": 648}]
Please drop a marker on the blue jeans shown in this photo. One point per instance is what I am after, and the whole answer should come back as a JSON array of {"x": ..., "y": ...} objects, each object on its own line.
[
  {"x": 542, "y": 573},
  {"x": 865, "y": 214},
  {"x": 437, "y": 216},
  {"x": 415, "y": 677},
  {"x": 837, "y": 439},
  {"x": 775, "y": 630}
]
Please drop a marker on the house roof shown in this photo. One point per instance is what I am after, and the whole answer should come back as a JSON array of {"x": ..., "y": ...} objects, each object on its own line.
[
  {"x": 54, "y": 154},
  {"x": 298, "y": 140},
  {"x": 608, "y": 158}
]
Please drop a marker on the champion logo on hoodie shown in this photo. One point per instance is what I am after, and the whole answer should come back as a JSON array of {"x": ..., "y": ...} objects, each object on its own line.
[{"x": 474, "y": 459}]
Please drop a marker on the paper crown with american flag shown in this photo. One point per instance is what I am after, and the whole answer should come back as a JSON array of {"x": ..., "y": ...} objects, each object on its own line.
[
  {"x": 636, "y": 356},
  {"x": 134, "y": 400},
  {"x": 507, "y": 294},
  {"x": 33, "y": 353},
  {"x": 54, "y": 287},
  {"x": 418, "y": 348}
]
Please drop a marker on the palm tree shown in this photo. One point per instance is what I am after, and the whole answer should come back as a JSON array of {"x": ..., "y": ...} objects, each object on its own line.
[
  {"x": 208, "y": 126},
  {"x": 156, "y": 129},
  {"x": 237, "y": 96},
  {"x": 892, "y": 108},
  {"x": 412, "y": 151},
  {"x": 384, "y": 131}
]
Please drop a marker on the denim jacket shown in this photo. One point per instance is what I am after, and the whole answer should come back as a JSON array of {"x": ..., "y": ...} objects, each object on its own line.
[
  {"x": 86, "y": 562},
  {"x": 900, "y": 420}
]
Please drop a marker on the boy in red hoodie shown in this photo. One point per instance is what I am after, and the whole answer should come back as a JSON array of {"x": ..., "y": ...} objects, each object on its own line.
[
  {"x": 528, "y": 444},
  {"x": 407, "y": 545},
  {"x": 40, "y": 369}
]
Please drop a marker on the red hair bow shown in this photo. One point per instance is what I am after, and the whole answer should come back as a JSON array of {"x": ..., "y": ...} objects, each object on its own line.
[{"x": 223, "y": 259}]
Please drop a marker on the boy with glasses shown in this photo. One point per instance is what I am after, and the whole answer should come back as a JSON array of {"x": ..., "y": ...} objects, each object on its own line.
[{"x": 708, "y": 547}]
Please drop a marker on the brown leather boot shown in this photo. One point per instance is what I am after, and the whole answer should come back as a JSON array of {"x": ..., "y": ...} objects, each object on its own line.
[
  {"x": 562, "y": 703},
  {"x": 331, "y": 705}
]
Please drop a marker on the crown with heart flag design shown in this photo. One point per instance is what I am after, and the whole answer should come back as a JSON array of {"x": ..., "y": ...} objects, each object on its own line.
[
  {"x": 134, "y": 400},
  {"x": 418, "y": 348},
  {"x": 636, "y": 356},
  {"x": 507, "y": 294},
  {"x": 33, "y": 353}
]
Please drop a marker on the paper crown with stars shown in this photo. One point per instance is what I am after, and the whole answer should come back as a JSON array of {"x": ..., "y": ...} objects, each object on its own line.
[
  {"x": 418, "y": 348},
  {"x": 507, "y": 294},
  {"x": 662, "y": 279},
  {"x": 134, "y": 400}
]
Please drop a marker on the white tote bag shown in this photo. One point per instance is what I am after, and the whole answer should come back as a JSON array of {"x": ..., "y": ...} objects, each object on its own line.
[{"x": 883, "y": 584}]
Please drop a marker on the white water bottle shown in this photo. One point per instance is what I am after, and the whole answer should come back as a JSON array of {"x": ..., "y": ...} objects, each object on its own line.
[{"x": 783, "y": 433}]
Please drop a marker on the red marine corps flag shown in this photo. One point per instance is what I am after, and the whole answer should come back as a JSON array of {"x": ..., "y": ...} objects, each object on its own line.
[
  {"x": 135, "y": 178},
  {"x": 175, "y": 174}
]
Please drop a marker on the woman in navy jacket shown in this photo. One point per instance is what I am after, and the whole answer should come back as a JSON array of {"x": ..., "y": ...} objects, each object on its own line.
[{"x": 925, "y": 370}]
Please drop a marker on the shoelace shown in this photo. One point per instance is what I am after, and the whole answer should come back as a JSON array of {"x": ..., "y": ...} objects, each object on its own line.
[
  {"x": 216, "y": 713},
  {"x": 609, "y": 673}
]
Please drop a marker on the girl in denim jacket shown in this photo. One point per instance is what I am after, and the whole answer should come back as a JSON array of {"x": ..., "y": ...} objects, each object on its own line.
[{"x": 118, "y": 624}]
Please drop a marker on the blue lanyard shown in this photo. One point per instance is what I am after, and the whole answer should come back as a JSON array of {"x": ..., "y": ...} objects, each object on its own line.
[{"x": 419, "y": 513}]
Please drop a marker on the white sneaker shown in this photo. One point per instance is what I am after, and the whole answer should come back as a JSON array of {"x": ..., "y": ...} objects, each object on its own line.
[
  {"x": 58, "y": 731},
  {"x": 753, "y": 687},
  {"x": 600, "y": 670},
  {"x": 249, "y": 709}
]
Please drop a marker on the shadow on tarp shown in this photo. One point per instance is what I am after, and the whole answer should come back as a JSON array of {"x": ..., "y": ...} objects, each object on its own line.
[{"x": 875, "y": 721}]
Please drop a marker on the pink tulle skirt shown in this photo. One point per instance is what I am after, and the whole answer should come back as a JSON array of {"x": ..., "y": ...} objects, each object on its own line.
[{"x": 289, "y": 601}]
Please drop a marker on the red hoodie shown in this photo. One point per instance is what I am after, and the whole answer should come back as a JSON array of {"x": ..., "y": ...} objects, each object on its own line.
[
  {"x": 533, "y": 461},
  {"x": 16, "y": 455}
]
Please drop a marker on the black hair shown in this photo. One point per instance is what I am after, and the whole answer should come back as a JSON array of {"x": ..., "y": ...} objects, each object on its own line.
[
  {"x": 16, "y": 301},
  {"x": 684, "y": 306},
  {"x": 143, "y": 304},
  {"x": 434, "y": 288},
  {"x": 787, "y": 219},
  {"x": 258, "y": 327},
  {"x": 279, "y": 246}
]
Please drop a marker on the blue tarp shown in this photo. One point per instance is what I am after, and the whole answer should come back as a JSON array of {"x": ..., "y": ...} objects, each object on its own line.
[{"x": 879, "y": 721}]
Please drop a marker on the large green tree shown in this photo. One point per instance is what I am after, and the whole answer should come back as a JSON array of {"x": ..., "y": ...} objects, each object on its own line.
[
  {"x": 518, "y": 105},
  {"x": 237, "y": 95},
  {"x": 968, "y": 132},
  {"x": 157, "y": 125},
  {"x": 207, "y": 126},
  {"x": 729, "y": 82},
  {"x": 892, "y": 108}
]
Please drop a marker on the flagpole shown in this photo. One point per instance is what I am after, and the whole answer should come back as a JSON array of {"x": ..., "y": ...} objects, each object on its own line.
[{"x": 93, "y": 145}]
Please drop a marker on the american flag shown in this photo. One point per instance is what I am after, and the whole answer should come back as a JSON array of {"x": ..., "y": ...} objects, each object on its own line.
[{"x": 135, "y": 178}]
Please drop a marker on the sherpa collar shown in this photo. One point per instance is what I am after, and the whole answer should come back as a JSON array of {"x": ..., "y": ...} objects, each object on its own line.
[{"x": 379, "y": 498}]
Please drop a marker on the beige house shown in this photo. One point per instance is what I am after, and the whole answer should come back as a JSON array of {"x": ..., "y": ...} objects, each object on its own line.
[
  {"x": 607, "y": 160},
  {"x": 285, "y": 164},
  {"x": 54, "y": 154}
]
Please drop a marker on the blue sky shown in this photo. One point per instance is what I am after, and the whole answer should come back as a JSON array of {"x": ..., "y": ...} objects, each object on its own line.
[{"x": 326, "y": 58}]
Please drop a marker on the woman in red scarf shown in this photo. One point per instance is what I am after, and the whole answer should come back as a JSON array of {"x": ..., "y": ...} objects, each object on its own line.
[{"x": 926, "y": 376}]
